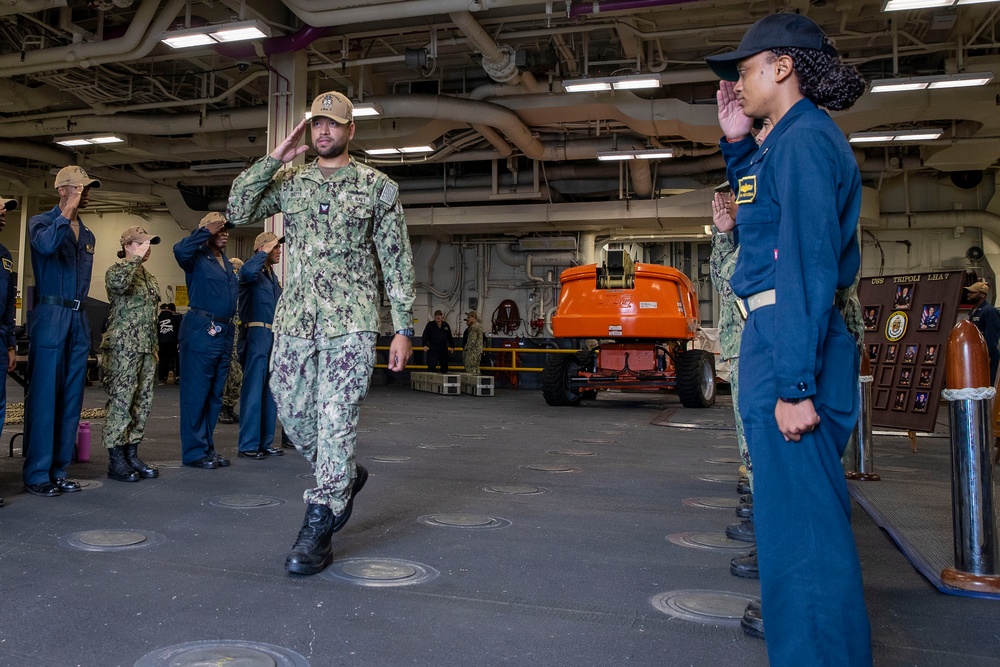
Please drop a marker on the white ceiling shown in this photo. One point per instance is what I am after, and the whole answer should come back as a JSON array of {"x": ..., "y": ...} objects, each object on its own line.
[{"x": 514, "y": 153}]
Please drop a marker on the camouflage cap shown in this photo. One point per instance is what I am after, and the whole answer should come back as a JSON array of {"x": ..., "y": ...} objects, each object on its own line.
[
  {"x": 215, "y": 217},
  {"x": 266, "y": 237},
  {"x": 138, "y": 235},
  {"x": 334, "y": 106},
  {"x": 474, "y": 315},
  {"x": 8, "y": 204},
  {"x": 74, "y": 175},
  {"x": 982, "y": 287}
]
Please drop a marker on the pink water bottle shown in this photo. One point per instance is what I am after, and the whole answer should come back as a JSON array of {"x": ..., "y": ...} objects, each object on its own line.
[{"x": 83, "y": 442}]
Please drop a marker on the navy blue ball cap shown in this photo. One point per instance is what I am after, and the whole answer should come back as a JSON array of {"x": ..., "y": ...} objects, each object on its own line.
[{"x": 771, "y": 32}]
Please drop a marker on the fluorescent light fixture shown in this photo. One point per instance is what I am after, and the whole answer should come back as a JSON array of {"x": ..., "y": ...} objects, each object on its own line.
[
  {"x": 932, "y": 82},
  {"x": 895, "y": 136},
  {"x": 216, "y": 34},
  {"x": 901, "y": 5},
  {"x": 648, "y": 154},
  {"x": 367, "y": 109},
  {"x": 632, "y": 82},
  {"x": 406, "y": 150},
  {"x": 90, "y": 141}
]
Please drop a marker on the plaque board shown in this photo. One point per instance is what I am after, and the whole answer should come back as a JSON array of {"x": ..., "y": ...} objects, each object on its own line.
[{"x": 907, "y": 322}]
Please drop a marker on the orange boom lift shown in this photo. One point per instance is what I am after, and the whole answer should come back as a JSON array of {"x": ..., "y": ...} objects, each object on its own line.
[{"x": 644, "y": 317}]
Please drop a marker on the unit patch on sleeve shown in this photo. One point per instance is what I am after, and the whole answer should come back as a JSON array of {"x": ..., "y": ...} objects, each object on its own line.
[
  {"x": 8, "y": 265},
  {"x": 389, "y": 192},
  {"x": 747, "y": 190}
]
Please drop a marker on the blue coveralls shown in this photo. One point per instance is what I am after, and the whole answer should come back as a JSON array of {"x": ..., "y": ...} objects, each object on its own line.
[
  {"x": 259, "y": 292},
  {"x": 204, "y": 357},
  {"x": 58, "y": 344},
  {"x": 8, "y": 304},
  {"x": 987, "y": 319},
  {"x": 800, "y": 197}
]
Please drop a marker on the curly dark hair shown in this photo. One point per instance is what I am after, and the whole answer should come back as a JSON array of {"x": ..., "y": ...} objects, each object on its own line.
[{"x": 823, "y": 78}]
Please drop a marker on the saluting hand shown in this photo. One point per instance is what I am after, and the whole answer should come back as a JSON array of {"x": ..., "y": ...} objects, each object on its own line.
[
  {"x": 268, "y": 247},
  {"x": 215, "y": 226},
  {"x": 289, "y": 149},
  {"x": 136, "y": 249},
  {"x": 734, "y": 123},
  {"x": 71, "y": 202},
  {"x": 720, "y": 214}
]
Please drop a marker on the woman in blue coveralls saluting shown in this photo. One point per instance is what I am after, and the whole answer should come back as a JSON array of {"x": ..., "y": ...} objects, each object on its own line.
[{"x": 799, "y": 197}]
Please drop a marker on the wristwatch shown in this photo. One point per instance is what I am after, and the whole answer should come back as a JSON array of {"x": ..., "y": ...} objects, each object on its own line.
[{"x": 405, "y": 332}]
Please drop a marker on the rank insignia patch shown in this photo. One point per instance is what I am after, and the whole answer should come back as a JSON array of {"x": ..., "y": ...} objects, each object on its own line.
[
  {"x": 8, "y": 265},
  {"x": 747, "y": 190},
  {"x": 324, "y": 208}
]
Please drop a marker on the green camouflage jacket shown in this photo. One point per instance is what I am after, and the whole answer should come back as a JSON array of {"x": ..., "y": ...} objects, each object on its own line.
[
  {"x": 722, "y": 263},
  {"x": 134, "y": 297},
  {"x": 335, "y": 229}
]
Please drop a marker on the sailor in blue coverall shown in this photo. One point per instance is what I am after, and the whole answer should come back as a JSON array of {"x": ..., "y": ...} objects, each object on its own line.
[
  {"x": 62, "y": 259},
  {"x": 259, "y": 292},
  {"x": 206, "y": 337},
  {"x": 799, "y": 196}
]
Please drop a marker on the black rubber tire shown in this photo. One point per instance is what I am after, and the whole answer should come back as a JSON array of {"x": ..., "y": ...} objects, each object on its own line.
[
  {"x": 696, "y": 378},
  {"x": 559, "y": 368}
]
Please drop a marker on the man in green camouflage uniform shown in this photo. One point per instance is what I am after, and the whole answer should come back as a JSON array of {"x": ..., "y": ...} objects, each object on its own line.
[
  {"x": 234, "y": 381},
  {"x": 130, "y": 348},
  {"x": 472, "y": 348},
  {"x": 340, "y": 218}
]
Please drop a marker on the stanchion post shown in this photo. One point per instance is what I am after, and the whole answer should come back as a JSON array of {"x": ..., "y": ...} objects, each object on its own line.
[
  {"x": 863, "y": 468},
  {"x": 970, "y": 397}
]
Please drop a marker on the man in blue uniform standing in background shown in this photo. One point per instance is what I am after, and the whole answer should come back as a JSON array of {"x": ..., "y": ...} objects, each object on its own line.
[
  {"x": 206, "y": 337},
  {"x": 799, "y": 199},
  {"x": 259, "y": 292},
  {"x": 987, "y": 320},
  {"x": 8, "y": 303},
  {"x": 62, "y": 259}
]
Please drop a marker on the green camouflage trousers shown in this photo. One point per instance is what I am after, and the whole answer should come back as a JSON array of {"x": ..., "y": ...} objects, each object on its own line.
[
  {"x": 318, "y": 385},
  {"x": 234, "y": 381},
  {"x": 128, "y": 379},
  {"x": 741, "y": 439}
]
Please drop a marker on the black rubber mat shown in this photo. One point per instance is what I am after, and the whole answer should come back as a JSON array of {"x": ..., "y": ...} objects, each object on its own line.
[{"x": 918, "y": 518}]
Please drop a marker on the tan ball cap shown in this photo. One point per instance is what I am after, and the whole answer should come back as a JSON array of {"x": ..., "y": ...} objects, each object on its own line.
[
  {"x": 215, "y": 217},
  {"x": 334, "y": 106},
  {"x": 138, "y": 235},
  {"x": 75, "y": 176}
]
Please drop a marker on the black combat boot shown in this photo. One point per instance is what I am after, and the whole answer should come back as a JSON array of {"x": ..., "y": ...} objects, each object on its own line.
[
  {"x": 118, "y": 467},
  {"x": 228, "y": 416},
  {"x": 312, "y": 551},
  {"x": 753, "y": 620},
  {"x": 145, "y": 470}
]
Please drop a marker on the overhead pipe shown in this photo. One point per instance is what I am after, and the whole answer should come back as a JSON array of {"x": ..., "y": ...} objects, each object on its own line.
[
  {"x": 11, "y": 7},
  {"x": 585, "y": 8},
  {"x": 33, "y": 151},
  {"x": 158, "y": 124},
  {"x": 319, "y": 13},
  {"x": 142, "y": 35}
]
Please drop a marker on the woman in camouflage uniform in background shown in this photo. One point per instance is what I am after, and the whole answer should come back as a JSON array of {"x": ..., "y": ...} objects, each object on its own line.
[
  {"x": 234, "y": 381},
  {"x": 130, "y": 352}
]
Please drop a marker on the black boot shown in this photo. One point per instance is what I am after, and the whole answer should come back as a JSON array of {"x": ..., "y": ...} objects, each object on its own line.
[
  {"x": 753, "y": 621},
  {"x": 312, "y": 551},
  {"x": 745, "y": 566},
  {"x": 145, "y": 470},
  {"x": 227, "y": 415},
  {"x": 118, "y": 467}
]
